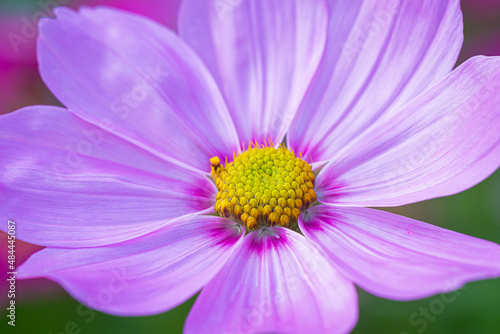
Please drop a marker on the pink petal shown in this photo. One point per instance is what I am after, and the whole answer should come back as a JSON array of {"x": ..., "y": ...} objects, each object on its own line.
[
  {"x": 262, "y": 53},
  {"x": 379, "y": 55},
  {"x": 108, "y": 65},
  {"x": 276, "y": 282},
  {"x": 143, "y": 276},
  {"x": 69, "y": 183},
  {"x": 396, "y": 257},
  {"x": 164, "y": 11},
  {"x": 445, "y": 141}
]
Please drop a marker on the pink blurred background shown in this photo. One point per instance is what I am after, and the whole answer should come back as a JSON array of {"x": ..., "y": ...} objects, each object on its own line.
[{"x": 20, "y": 82}]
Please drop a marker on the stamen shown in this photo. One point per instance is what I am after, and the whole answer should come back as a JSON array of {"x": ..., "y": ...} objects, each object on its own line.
[{"x": 263, "y": 186}]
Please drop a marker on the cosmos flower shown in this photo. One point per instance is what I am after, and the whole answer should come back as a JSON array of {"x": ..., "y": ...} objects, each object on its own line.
[{"x": 241, "y": 157}]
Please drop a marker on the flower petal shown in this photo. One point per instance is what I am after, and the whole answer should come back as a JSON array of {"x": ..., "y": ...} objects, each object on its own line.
[
  {"x": 379, "y": 55},
  {"x": 444, "y": 142},
  {"x": 275, "y": 282},
  {"x": 262, "y": 53},
  {"x": 147, "y": 275},
  {"x": 397, "y": 257},
  {"x": 108, "y": 65},
  {"x": 69, "y": 183},
  {"x": 164, "y": 12}
]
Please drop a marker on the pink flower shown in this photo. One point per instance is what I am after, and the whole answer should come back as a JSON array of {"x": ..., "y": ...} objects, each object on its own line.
[{"x": 118, "y": 184}]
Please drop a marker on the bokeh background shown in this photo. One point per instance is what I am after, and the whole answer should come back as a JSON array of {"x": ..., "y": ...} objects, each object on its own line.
[{"x": 43, "y": 307}]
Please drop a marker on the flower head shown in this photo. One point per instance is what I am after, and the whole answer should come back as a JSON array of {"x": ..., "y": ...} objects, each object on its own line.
[
  {"x": 264, "y": 186},
  {"x": 143, "y": 193}
]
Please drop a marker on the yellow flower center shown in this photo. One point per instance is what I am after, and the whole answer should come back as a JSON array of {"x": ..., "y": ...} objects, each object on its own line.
[{"x": 264, "y": 186}]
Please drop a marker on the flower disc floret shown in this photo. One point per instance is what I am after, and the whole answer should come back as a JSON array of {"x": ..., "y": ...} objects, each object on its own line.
[{"x": 264, "y": 186}]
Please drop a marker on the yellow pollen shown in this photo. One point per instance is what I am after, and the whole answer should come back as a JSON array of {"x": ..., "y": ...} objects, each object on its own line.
[{"x": 263, "y": 186}]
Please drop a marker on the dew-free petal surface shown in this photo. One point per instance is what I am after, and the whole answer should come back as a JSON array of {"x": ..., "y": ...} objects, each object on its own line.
[
  {"x": 396, "y": 257},
  {"x": 262, "y": 53},
  {"x": 443, "y": 142},
  {"x": 147, "y": 275},
  {"x": 69, "y": 183},
  {"x": 379, "y": 55},
  {"x": 276, "y": 282},
  {"x": 141, "y": 78}
]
